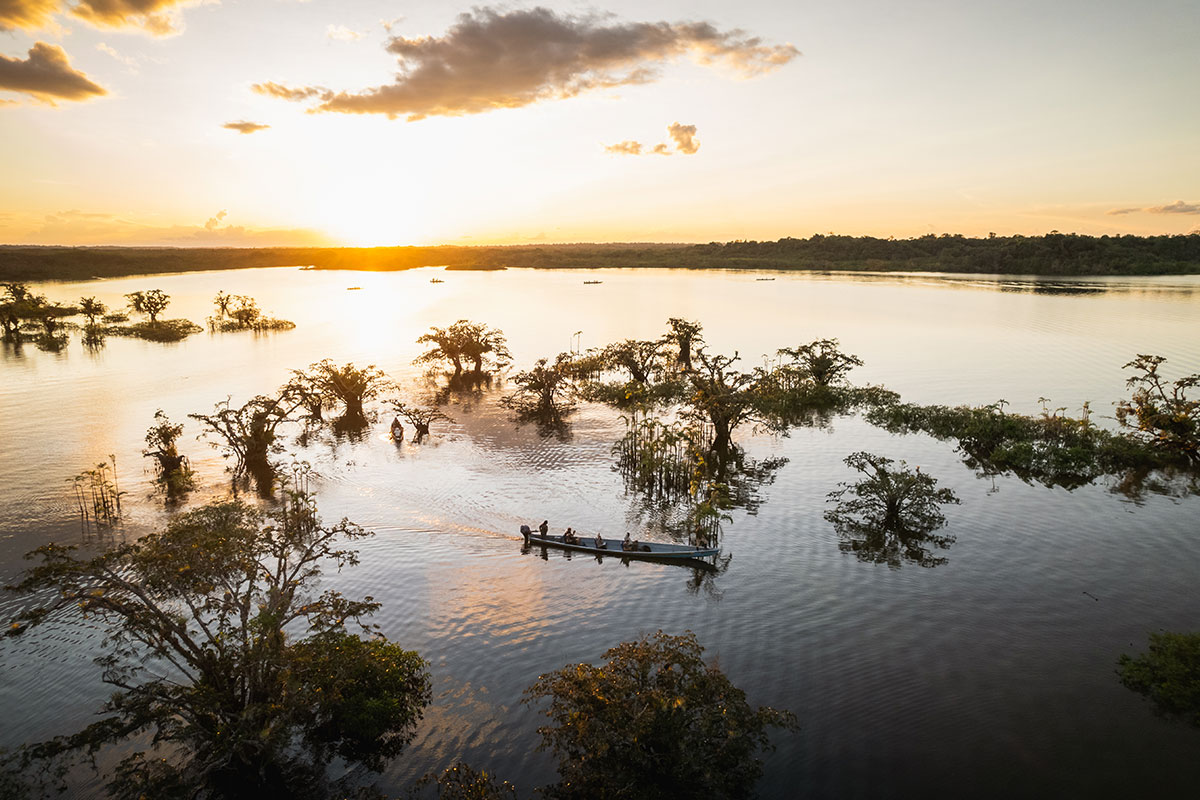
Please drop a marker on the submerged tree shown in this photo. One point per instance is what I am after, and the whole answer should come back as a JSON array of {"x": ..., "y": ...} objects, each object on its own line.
[
  {"x": 151, "y": 303},
  {"x": 1160, "y": 412},
  {"x": 684, "y": 335},
  {"x": 722, "y": 397},
  {"x": 249, "y": 435},
  {"x": 544, "y": 392},
  {"x": 653, "y": 722},
  {"x": 174, "y": 471},
  {"x": 234, "y": 676},
  {"x": 1169, "y": 674},
  {"x": 348, "y": 386},
  {"x": 890, "y": 516},
  {"x": 467, "y": 341},
  {"x": 419, "y": 418},
  {"x": 822, "y": 361}
]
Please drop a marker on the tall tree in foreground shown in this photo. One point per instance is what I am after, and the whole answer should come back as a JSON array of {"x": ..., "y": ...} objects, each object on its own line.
[
  {"x": 655, "y": 722},
  {"x": 234, "y": 677}
]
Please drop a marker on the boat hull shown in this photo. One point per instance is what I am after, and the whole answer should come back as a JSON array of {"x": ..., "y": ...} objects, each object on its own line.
[{"x": 658, "y": 550}]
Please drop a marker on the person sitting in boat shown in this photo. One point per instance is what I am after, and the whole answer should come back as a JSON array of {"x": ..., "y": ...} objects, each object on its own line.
[
  {"x": 397, "y": 430},
  {"x": 600, "y": 544},
  {"x": 627, "y": 543},
  {"x": 544, "y": 528},
  {"x": 569, "y": 537}
]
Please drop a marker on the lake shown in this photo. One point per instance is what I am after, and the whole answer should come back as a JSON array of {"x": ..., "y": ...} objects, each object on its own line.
[{"x": 992, "y": 674}]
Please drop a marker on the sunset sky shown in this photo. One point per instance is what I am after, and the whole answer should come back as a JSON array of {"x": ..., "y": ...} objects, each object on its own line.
[{"x": 372, "y": 122}]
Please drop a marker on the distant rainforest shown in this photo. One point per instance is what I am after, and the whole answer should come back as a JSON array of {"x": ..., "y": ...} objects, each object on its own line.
[{"x": 1057, "y": 254}]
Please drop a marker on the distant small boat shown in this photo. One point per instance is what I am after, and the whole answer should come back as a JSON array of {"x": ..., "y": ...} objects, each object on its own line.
[
  {"x": 593, "y": 281},
  {"x": 353, "y": 288},
  {"x": 436, "y": 280},
  {"x": 764, "y": 279},
  {"x": 655, "y": 551}
]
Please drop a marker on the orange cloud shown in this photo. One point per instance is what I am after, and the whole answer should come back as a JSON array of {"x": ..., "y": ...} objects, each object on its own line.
[
  {"x": 243, "y": 126},
  {"x": 1178, "y": 207},
  {"x": 158, "y": 17},
  {"x": 47, "y": 76},
  {"x": 26, "y": 14},
  {"x": 684, "y": 137},
  {"x": 493, "y": 59}
]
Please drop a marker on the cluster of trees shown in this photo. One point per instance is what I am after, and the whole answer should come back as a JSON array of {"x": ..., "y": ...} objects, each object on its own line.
[
  {"x": 234, "y": 676},
  {"x": 236, "y": 312},
  {"x": 1053, "y": 254}
]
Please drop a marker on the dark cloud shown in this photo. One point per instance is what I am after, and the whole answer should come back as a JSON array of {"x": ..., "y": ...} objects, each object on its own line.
[
  {"x": 1178, "y": 207},
  {"x": 685, "y": 137},
  {"x": 493, "y": 59},
  {"x": 159, "y": 17},
  {"x": 26, "y": 14},
  {"x": 47, "y": 75},
  {"x": 242, "y": 126}
]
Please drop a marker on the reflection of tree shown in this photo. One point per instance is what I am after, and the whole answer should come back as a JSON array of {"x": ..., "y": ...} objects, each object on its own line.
[
  {"x": 666, "y": 723},
  {"x": 890, "y": 516},
  {"x": 1169, "y": 674}
]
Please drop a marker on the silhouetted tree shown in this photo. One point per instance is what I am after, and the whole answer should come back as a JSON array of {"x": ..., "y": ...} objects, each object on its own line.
[
  {"x": 347, "y": 385},
  {"x": 249, "y": 433},
  {"x": 545, "y": 391},
  {"x": 174, "y": 472},
  {"x": 151, "y": 303},
  {"x": 684, "y": 335},
  {"x": 419, "y": 418},
  {"x": 721, "y": 396},
  {"x": 822, "y": 361},
  {"x": 464, "y": 341}
]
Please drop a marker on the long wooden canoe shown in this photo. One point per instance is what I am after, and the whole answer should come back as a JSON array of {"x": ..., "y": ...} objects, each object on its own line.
[{"x": 657, "y": 551}]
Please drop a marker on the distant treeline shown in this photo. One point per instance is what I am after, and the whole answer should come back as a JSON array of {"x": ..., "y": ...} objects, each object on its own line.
[{"x": 1052, "y": 254}]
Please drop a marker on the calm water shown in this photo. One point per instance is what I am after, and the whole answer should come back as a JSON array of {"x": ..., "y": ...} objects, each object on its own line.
[{"x": 992, "y": 674}]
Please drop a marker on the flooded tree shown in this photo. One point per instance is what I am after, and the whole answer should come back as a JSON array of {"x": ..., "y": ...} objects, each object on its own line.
[
  {"x": 91, "y": 308},
  {"x": 465, "y": 341},
  {"x": 151, "y": 303},
  {"x": 1160, "y": 412},
  {"x": 419, "y": 418},
  {"x": 684, "y": 335},
  {"x": 347, "y": 386},
  {"x": 249, "y": 434},
  {"x": 721, "y": 397},
  {"x": 889, "y": 517},
  {"x": 639, "y": 358},
  {"x": 655, "y": 721},
  {"x": 237, "y": 312},
  {"x": 1168, "y": 674},
  {"x": 544, "y": 392},
  {"x": 822, "y": 361},
  {"x": 234, "y": 675},
  {"x": 174, "y": 471}
]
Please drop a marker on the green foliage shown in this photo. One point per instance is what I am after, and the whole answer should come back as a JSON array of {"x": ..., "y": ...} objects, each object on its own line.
[
  {"x": 174, "y": 471},
  {"x": 151, "y": 303},
  {"x": 465, "y": 341},
  {"x": 167, "y": 330},
  {"x": 248, "y": 434},
  {"x": 239, "y": 677},
  {"x": 1161, "y": 413},
  {"x": 889, "y": 516},
  {"x": 821, "y": 361},
  {"x": 1051, "y": 449},
  {"x": 462, "y": 782},
  {"x": 1169, "y": 674},
  {"x": 655, "y": 721}
]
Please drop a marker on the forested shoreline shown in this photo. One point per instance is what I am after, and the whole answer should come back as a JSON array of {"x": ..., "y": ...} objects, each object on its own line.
[{"x": 1055, "y": 254}]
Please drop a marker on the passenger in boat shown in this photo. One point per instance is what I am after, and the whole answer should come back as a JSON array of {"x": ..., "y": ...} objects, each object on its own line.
[
  {"x": 569, "y": 537},
  {"x": 544, "y": 528},
  {"x": 627, "y": 543},
  {"x": 600, "y": 545},
  {"x": 397, "y": 430}
]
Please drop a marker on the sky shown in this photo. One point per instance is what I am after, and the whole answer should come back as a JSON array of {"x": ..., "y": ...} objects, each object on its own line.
[{"x": 365, "y": 122}]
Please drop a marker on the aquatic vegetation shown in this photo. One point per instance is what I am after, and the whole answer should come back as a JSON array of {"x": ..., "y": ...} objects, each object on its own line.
[
  {"x": 544, "y": 392},
  {"x": 889, "y": 517},
  {"x": 97, "y": 496},
  {"x": 1160, "y": 412},
  {"x": 174, "y": 471},
  {"x": 1168, "y": 674},
  {"x": 462, "y": 782},
  {"x": 821, "y": 361},
  {"x": 419, "y": 418},
  {"x": 22, "y": 311},
  {"x": 327, "y": 385},
  {"x": 465, "y": 341},
  {"x": 654, "y": 721},
  {"x": 248, "y": 433},
  {"x": 221, "y": 649},
  {"x": 167, "y": 330},
  {"x": 241, "y": 313},
  {"x": 1051, "y": 449}
]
